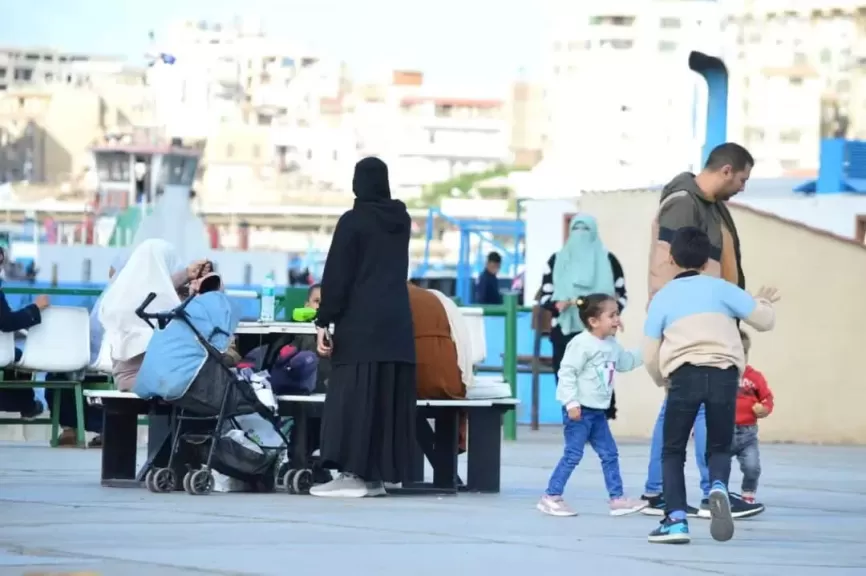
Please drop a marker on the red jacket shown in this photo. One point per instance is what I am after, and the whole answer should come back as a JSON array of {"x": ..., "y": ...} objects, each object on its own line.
[{"x": 753, "y": 389}]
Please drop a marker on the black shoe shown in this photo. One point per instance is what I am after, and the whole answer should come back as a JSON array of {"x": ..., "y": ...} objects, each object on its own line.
[
  {"x": 34, "y": 411},
  {"x": 743, "y": 509},
  {"x": 739, "y": 508},
  {"x": 656, "y": 507}
]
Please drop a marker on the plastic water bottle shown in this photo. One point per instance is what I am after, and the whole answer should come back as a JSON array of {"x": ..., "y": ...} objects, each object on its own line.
[{"x": 268, "y": 299}]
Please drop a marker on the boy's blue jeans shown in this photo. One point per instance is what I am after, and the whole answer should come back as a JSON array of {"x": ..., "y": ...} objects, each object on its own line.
[
  {"x": 654, "y": 470},
  {"x": 593, "y": 428}
]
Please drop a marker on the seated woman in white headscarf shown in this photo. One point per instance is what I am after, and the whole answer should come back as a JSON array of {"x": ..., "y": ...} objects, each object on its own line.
[{"x": 152, "y": 267}]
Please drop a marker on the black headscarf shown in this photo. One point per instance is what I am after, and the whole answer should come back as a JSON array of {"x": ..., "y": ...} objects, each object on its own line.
[{"x": 370, "y": 182}]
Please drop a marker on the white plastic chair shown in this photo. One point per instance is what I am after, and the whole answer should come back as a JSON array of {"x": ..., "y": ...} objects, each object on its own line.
[
  {"x": 7, "y": 349},
  {"x": 475, "y": 323},
  {"x": 60, "y": 343}
]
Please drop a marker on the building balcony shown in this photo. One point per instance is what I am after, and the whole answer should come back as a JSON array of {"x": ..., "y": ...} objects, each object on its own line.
[{"x": 459, "y": 124}]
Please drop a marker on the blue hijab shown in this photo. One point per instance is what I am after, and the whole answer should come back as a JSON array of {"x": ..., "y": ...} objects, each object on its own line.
[{"x": 582, "y": 268}]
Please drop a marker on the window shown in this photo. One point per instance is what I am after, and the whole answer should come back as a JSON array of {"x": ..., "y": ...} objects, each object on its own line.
[
  {"x": 795, "y": 81},
  {"x": 230, "y": 151},
  {"x": 670, "y": 23},
  {"x": 754, "y": 135},
  {"x": 800, "y": 59},
  {"x": 666, "y": 46},
  {"x": 257, "y": 151},
  {"x": 790, "y": 136},
  {"x": 826, "y": 56}
]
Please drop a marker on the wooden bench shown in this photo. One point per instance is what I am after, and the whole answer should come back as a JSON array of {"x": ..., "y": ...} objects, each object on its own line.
[{"x": 438, "y": 444}]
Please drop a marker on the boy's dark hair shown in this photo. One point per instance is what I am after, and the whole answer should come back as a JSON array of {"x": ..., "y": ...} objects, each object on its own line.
[
  {"x": 591, "y": 306},
  {"x": 729, "y": 154},
  {"x": 690, "y": 248},
  {"x": 312, "y": 289},
  {"x": 494, "y": 257}
]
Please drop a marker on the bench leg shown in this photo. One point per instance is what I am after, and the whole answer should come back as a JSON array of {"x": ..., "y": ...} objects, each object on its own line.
[
  {"x": 445, "y": 450},
  {"x": 55, "y": 418},
  {"x": 119, "y": 442},
  {"x": 422, "y": 450},
  {"x": 80, "y": 438},
  {"x": 485, "y": 450}
]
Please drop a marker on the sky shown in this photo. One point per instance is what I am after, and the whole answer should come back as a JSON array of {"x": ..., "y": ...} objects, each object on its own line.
[{"x": 478, "y": 43}]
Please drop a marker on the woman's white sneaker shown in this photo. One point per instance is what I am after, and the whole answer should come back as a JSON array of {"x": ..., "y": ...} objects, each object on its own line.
[{"x": 343, "y": 486}]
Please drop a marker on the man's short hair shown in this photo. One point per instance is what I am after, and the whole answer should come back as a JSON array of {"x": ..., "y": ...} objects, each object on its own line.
[
  {"x": 729, "y": 154},
  {"x": 494, "y": 257},
  {"x": 690, "y": 248}
]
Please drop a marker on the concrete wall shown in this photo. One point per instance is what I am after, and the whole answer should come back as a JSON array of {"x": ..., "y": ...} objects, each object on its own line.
[{"x": 812, "y": 360}]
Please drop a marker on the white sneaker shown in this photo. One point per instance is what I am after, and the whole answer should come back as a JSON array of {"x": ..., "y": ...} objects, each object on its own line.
[
  {"x": 343, "y": 486},
  {"x": 375, "y": 489}
]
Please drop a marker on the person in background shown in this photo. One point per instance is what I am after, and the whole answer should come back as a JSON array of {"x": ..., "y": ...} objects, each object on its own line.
[
  {"x": 697, "y": 201},
  {"x": 368, "y": 421},
  {"x": 754, "y": 401},
  {"x": 438, "y": 369},
  {"x": 487, "y": 286},
  {"x": 92, "y": 414},
  {"x": 694, "y": 351},
  {"x": 152, "y": 267},
  {"x": 23, "y": 401},
  {"x": 583, "y": 266}
]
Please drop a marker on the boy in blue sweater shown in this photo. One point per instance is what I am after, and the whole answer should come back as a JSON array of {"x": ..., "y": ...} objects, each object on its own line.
[{"x": 693, "y": 349}]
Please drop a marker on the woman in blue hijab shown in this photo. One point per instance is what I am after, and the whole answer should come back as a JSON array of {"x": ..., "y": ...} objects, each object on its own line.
[{"x": 583, "y": 266}]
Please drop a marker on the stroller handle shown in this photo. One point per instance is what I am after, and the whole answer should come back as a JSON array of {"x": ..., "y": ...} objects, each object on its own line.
[{"x": 161, "y": 317}]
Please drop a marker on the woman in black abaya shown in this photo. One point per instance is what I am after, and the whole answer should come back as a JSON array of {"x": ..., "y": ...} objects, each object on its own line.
[{"x": 368, "y": 424}]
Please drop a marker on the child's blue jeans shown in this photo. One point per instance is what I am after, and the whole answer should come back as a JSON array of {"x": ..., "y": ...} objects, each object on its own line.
[{"x": 594, "y": 429}]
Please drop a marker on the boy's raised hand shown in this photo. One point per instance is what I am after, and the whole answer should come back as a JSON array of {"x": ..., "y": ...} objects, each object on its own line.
[{"x": 768, "y": 293}]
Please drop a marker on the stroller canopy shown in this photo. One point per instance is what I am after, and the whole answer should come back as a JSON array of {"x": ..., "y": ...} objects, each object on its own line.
[{"x": 174, "y": 356}]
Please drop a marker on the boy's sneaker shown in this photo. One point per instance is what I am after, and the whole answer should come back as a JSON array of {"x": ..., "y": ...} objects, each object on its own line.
[
  {"x": 671, "y": 532},
  {"x": 655, "y": 506},
  {"x": 554, "y": 506},
  {"x": 744, "y": 507},
  {"x": 623, "y": 506},
  {"x": 740, "y": 507},
  {"x": 343, "y": 486},
  {"x": 721, "y": 520}
]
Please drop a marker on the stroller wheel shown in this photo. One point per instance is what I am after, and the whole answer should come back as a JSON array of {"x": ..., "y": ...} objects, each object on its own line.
[
  {"x": 287, "y": 481},
  {"x": 163, "y": 480},
  {"x": 148, "y": 480},
  {"x": 201, "y": 482},
  {"x": 187, "y": 485},
  {"x": 302, "y": 481}
]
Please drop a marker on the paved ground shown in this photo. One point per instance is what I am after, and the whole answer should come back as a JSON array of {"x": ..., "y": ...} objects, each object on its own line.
[{"x": 55, "y": 519}]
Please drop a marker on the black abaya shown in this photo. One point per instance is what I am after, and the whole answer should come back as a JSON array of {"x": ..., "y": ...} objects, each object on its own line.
[{"x": 368, "y": 425}]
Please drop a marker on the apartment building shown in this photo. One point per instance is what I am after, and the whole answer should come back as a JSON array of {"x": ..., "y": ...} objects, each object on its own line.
[
  {"x": 34, "y": 66},
  {"x": 528, "y": 119},
  {"x": 795, "y": 77},
  {"x": 46, "y": 133},
  {"x": 620, "y": 98},
  {"x": 429, "y": 134},
  {"x": 207, "y": 73}
]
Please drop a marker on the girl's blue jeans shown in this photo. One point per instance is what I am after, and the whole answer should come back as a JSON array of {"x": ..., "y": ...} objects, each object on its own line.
[{"x": 592, "y": 428}]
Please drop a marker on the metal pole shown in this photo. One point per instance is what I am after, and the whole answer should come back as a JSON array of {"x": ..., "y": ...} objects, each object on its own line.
[{"x": 509, "y": 361}]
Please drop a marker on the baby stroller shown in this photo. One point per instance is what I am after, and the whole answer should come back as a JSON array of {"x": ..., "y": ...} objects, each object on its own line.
[{"x": 215, "y": 395}]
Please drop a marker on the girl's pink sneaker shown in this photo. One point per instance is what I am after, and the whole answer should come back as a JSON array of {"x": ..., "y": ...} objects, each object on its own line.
[{"x": 623, "y": 506}]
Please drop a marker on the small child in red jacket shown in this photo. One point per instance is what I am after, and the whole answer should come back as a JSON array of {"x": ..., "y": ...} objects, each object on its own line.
[{"x": 754, "y": 401}]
